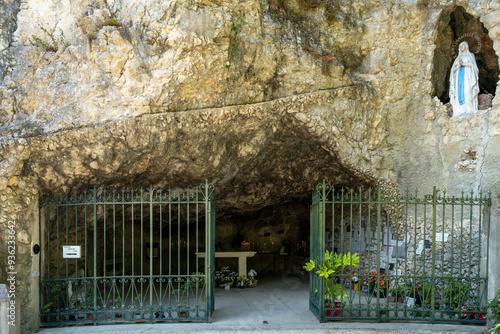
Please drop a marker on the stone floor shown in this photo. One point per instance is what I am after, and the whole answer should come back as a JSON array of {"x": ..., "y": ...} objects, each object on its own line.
[{"x": 277, "y": 305}]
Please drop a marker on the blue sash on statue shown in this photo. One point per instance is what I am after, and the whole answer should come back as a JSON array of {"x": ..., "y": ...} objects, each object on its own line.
[{"x": 461, "y": 94}]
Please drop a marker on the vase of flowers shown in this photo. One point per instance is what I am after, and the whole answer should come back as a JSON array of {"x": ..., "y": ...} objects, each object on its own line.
[
  {"x": 241, "y": 282},
  {"x": 374, "y": 285},
  {"x": 227, "y": 282}
]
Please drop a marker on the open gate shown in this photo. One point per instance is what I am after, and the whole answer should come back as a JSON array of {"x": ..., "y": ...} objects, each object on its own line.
[
  {"x": 421, "y": 258},
  {"x": 127, "y": 256}
]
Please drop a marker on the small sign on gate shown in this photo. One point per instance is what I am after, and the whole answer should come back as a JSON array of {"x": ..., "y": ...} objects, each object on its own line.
[{"x": 72, "y": 252}]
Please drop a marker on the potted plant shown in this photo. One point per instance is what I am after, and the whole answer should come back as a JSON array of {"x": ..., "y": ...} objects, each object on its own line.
[
  {"x": 227, "y": 282},
  {"x": 233, "y": 275},
  {"x": 181, "y": 303},
  {"x": 398, "y": 293},
  {"x": 329, "y": 270},
  {"x": 138, "y": 310},
  {"x": 116, "y": 305},
  {"x": 422, "y": 294},
  {"x": 89, "y": 300},
  {"x": 51, "y": 306},
  {"x": 160, "y": 315},
  {"x": 376, "y": 286}
]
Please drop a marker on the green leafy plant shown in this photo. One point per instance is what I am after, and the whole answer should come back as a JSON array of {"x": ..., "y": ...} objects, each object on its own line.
[
  {"x": 456, "y": 293},
  {"x": 399, "y": 291},
  {"x": 115, "y": 303},
  {"x": 234, "y": 39},
  {"x": 494, "y": 307},
  {"x": 88, "y": 304},
  {"x": 227, "y": 280},
  {"x": 330, "y": 270},
  {"x": 53, "y": 43},
  {"x": 55, "y": 294}
]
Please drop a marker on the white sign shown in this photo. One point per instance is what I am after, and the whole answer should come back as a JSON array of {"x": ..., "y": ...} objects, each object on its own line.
[
  {"x": 72, "y": 252},
  {"x": 410, "y": 301},
  {"x": 439, "y": 237},
  {"x": 420, "y": 247}
]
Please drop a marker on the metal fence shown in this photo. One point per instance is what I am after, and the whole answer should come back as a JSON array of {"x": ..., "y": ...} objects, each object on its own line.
[
  {"x": 133, "y": 256},
  {"x": 420, "y": 257}
]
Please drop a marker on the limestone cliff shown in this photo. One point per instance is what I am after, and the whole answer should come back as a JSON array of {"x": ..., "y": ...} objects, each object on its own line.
[{"x": 264, "y": 98}]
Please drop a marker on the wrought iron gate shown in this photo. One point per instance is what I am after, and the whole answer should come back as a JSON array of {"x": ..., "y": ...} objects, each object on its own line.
[
  {"x": 133, "y": 256},
  {"x": 421, "y": 258}
]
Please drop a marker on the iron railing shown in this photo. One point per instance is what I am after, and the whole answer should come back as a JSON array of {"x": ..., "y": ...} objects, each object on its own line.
[
  {"x": 420, "y": 257},
  {"x": 139, "y": 256}
]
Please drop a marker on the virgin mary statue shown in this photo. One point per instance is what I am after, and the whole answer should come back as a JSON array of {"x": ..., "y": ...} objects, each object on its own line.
[{"x": 464, "y": 85}]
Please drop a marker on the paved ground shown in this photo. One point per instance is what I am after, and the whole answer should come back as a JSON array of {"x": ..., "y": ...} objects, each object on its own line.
[{"x": 275, "y": 306}]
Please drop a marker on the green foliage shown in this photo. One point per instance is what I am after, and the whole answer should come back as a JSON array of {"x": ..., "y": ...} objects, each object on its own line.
[
  {"x": 111, "y": 21},
  {"x": 456, "y": 294},
  {"x": 227, "y": 280},
  {"x": 494, "y": 306},
  {"x": 234, "y": 39},
  {"x": 53, "y": 43},
  {"x": 400, "y": 291},
  {"x": 55, "y": 294},
  {"x": 330, "y": 270}
]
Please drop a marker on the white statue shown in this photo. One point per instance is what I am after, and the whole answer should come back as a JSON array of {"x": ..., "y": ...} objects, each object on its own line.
[{"x": 464, "y": 85}]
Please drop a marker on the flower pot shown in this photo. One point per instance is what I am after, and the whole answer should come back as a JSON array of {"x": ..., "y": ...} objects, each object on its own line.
[
  {"x": 400, "y": 300},
  {"x": 356, "y": 286},
  {"x": 383, "y": 317},
  {"x": 331, "y": 312},
  {"x": 90, "y": 316},
  {"x": 183, "y": 314},
  {"x": 138, "y": 319}
]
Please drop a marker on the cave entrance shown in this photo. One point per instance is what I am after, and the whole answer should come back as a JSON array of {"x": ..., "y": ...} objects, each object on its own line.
[
  {"x": 127, "y": 256},
  {"x": 453, "y": 28},
  {"x": 278, "y": 235}
]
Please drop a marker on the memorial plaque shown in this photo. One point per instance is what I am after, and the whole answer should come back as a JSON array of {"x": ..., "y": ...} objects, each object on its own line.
[{"x": 440, "y": 237}]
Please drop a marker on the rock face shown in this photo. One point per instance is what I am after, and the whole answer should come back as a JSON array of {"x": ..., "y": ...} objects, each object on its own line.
[{"x": 262, "y": 98}]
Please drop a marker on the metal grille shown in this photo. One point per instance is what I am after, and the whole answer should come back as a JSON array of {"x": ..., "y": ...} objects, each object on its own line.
[
  {"x": 139, "y": 256},
  {"x": 421, "y": 258}
]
